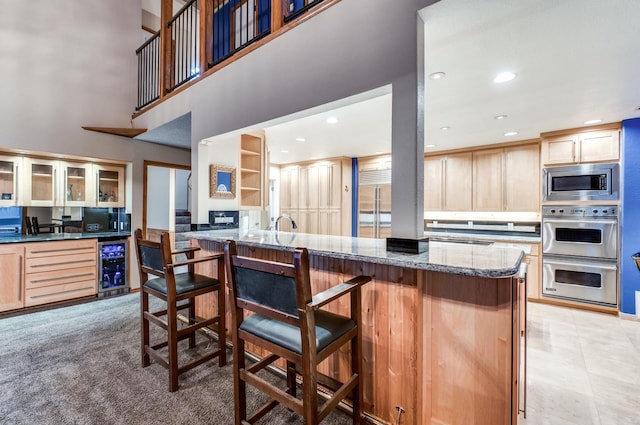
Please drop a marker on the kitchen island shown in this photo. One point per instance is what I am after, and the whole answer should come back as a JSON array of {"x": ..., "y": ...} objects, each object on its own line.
[{"x": 440, "y": 328}]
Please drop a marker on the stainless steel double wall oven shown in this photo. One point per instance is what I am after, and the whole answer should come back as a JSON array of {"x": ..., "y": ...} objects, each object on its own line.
[{"x": 580, "y": 241}]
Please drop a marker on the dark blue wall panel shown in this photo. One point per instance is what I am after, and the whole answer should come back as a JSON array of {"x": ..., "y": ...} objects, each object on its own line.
[{"x": 630, "y": 230}]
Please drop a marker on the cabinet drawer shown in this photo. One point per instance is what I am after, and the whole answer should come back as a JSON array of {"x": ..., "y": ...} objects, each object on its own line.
[
  {"x": 60, "y": 262},
  {"x": 62, "y": 248},
  {"x": 66, "y": 291},
  {"x": 60, "y": 277}
]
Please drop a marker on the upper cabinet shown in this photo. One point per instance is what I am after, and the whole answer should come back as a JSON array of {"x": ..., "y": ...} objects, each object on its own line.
[
  {"x": 10, "y": 179},
  {"x": 496, "y": 180},
  {"x": 598, "y": 144},
  {"x": 447, "y": 184},
  {"x": 252, "y": 172},
  {"x": 51, "y": 183},
  {"x": 110, "y": 185}
]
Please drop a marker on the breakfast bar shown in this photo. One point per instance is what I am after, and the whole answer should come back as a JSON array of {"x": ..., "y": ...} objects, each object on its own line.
[{"x": 441, "y": 328}]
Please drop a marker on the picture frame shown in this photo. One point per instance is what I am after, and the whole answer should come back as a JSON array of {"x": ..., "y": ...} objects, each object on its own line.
[{"x": 222, "y": 181}]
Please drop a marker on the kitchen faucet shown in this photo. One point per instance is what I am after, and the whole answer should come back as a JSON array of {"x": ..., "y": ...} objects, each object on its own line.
[{"x": 288, "y": 217}]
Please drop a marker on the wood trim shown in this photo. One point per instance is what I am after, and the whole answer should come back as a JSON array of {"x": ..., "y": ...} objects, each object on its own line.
[
  {"x": 237, "y": 56},
  {"x": 483, "y": 147},
  {"x": 579, "y": 305},
  {"x": 166, "y": 13},
  {"x": 206, "y": 33},
  {"x": 599, "y": 127},
  {"x": 118, "y": 131},
  {"x": 147, "y": 29}
]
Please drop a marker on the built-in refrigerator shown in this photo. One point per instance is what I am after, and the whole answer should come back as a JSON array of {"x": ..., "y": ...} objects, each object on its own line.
[{"x": 374, "y": 203}]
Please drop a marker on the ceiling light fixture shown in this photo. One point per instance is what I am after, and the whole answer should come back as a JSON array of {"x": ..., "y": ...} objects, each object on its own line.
[
  {"x": 503, "y": 77},
  {"x": 284, "y": 151},
  {"x": 437, "y": 75},
  {"x": 510, "y": 133},
  {"x": 332, "y": 120},
  {"x": 430, "y": 146},
  {"x": 500, "y": 117},
  {"x": 300, "y": 139},
  {"x": 445, "y": 128},
  {"x": 589, "y": 122}
]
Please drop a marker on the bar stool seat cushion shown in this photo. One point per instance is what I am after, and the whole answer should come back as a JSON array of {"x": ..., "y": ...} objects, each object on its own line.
[
  {"x": 329, "y": 327},
  {"x": 184, "y": 283}
]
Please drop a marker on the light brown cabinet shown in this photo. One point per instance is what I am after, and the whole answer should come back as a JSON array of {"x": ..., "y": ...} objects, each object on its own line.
[
  {"x": 10, "y": 179},
  {"x": 60, "y": 270},
  {"x": 447, "y": 185},
  {"x": 317, "y": 196},
  {"x": 533, "y": 269},
  {"x": 11, "y": 270},
  {"x": 110, "y": 185},
  {"x": 581, "y": 147},
  {"x": 507, "y": 179}
]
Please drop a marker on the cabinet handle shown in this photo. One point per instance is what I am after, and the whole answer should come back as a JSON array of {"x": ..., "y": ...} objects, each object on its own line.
[
  {"x": 51, "y": 279},
  {"x": 35, "y": 266},
  {"x": 20, "y": 277},
  {"x": 55, "y": 185},
  {"x": 17, "y": 177}
]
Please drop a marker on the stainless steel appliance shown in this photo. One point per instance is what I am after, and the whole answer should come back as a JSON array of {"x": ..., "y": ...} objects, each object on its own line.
[
  {"x": 113, "y": 267},
  {"x": 584, "y": 182},
  {"x": 374, "y": 204},
  {"x": 580, "y": 253}
]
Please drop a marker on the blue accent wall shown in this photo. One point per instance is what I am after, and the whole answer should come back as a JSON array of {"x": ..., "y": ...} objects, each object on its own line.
[{"x": 630, "y": 228}]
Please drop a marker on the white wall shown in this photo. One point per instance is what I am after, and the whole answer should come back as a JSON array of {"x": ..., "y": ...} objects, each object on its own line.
[
  {"x": 66, "y": 64},
  {"x": 352, "y": 47},
  {"x": 159, "y": 206},
  {"x": 182, "y": 177}
]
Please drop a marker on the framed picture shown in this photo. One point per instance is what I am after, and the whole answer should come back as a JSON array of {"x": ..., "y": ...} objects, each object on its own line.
[{"x": 222, "y": 181}]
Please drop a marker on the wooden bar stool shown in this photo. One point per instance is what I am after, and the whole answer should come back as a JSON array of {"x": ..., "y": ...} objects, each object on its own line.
[
  {"x": 287, "y": 321},
  {"x": 156, "y": 258}
]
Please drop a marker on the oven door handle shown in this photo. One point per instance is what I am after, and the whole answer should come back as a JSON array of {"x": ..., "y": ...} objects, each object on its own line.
[
  {"x": 559, "y": 221},
  {"x": 590, "y": 264}
]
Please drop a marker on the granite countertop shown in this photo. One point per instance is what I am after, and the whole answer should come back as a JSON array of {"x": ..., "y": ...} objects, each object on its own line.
[
  {"x": 495, "y": 260},
  {"x": 50, "y": 237}
]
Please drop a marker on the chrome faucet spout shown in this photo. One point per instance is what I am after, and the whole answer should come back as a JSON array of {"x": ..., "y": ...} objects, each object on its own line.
[{"x": 288, "y": 217}]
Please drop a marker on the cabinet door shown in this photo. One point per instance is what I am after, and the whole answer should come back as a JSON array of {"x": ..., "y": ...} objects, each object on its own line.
[
  {"x": 433, "y": 169},
  {"x": 329, "y": 222},
  {"x": 110, "y": 185},
  {"x": 311, "y": 190},
  {"x": 78, "y": 183},
  {"x": 600, "y": 146},
  {"x": 533, "y": 277},
  {"x": 11, "y": 270},
  {"x": 559, "y": 150},
  {"x": 487, "y": 180},
  {"x": 10, "y": 180},
  {"x": 521, "y": 181},
  {"x": 457, "y": 182},
  {"x": 41, "y": 183}
]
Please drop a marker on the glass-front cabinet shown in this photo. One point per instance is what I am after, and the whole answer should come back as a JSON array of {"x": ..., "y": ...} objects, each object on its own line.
[
  {"x": 10, "y": 168},
  {"x": 110, "y": 185},
  {"x": 41, "y": 182},
  {"x": 78, "y": 184}
]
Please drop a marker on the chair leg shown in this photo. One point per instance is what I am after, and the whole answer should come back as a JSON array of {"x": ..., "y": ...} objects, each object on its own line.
[
  {"x": 222, "y": 330},
  {"x": 239, "y": 386},
  {"x": 192, "y": 320},
  {"x": 144, "y": 325},
  {"x": 291, "y": 378},
  {"x": 356, "y": 368},
  {"x": 172, "y": 324},
  {"x": 310, "y": 392}
]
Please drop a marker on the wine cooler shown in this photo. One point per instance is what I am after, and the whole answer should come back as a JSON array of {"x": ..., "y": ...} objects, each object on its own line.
[{"x": 113, "y": 267}]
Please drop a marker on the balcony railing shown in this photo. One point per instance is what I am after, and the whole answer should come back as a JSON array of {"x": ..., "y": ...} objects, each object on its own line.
[{"x": 206, "y": 33}]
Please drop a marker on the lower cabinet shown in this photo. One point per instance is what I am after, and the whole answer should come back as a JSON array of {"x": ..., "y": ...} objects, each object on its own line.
[
  {"x": 58, "y": 271},
  {"x": 533, "y": 270},
  {"x": 12, "y": 282}
]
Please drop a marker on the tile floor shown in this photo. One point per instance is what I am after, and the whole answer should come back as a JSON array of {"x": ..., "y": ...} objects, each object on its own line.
[{"x": 584, "y": 368}]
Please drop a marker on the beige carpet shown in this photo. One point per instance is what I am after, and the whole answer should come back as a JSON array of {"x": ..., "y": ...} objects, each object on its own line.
[{"x": 81, "y": 365}]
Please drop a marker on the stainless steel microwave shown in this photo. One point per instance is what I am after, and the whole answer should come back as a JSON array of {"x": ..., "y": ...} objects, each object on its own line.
[{"x": 584, "y": 182}]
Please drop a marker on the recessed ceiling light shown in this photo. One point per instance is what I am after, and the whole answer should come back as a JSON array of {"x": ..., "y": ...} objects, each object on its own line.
[
  {"x": 284, "y": 151},
  {"x": 379, "y": 152},
  {"x": 431, "y": 146},
  {"x": 437, "y": 75},
  {"x": 314, "y": 157},
  {"x": 445, "y": 128},
  {"x": 332, "y": 120},
  {"x": 510, "y": 133},
  {"x": 203, "y": 142},
  {"x": 499, "y": 117},
  {"x": 588, "y": 122},
  {"x": 503, "y": 77},
  {"x": 300, "y": 139}
]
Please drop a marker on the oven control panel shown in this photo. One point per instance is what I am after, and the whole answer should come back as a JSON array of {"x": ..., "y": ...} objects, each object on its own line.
[{"x": 608, "y": 211}]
